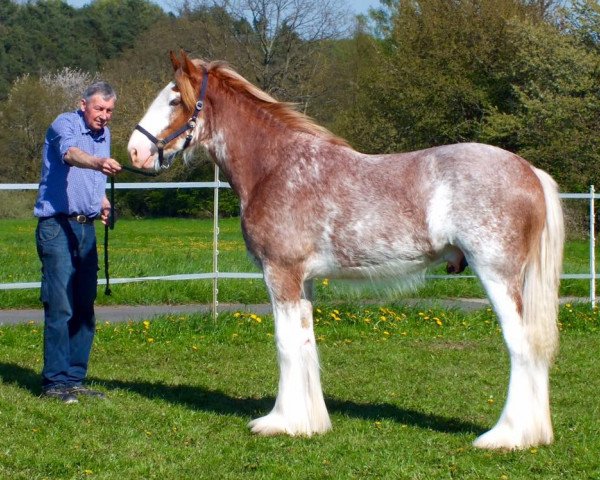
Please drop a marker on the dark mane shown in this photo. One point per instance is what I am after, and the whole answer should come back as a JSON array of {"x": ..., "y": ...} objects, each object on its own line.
[{"x": 281, "y": 111}]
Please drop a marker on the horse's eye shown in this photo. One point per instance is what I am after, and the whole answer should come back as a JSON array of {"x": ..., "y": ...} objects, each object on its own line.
[{"x": 175, "y": 102}]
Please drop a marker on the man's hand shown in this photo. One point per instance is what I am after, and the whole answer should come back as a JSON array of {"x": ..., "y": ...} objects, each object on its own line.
[
  {"x": 105, "y": 211},
  {"x": 109, "y": 166}
]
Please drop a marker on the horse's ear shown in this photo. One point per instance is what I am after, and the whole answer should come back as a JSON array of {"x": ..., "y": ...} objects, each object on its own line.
[
  {"x": 174, "y": 60},
  {"x": 188, "y": 66}
]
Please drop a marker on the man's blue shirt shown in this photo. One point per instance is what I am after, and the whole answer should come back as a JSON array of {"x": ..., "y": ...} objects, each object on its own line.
[{"x": 64, "y": 188}]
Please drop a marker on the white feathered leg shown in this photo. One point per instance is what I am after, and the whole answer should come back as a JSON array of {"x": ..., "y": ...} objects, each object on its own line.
[
  {"x": 525, "y": 420},
  {"x": 300, "y": 408}
]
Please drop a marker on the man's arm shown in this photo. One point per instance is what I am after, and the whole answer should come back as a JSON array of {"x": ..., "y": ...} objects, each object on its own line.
[{"x": 79, "y": 158}]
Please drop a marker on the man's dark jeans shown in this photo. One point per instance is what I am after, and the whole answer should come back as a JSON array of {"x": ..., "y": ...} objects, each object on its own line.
[{"x": 69, "y": 257}]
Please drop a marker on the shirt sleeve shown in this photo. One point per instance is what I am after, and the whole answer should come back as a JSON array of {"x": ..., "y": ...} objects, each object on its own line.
[{"x": 62, "y": 135}]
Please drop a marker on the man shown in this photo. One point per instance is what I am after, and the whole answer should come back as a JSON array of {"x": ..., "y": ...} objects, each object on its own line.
[{"x": 75, "y": 162}]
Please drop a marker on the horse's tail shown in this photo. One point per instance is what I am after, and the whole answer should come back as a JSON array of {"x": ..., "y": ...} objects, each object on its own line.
[{"x": 542, "y": 276}]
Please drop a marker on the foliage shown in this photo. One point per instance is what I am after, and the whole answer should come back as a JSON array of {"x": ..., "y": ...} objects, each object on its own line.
[
  {"x": 520, "y": 74},
  {"x": 279, "y": 41},
  {"x": 556, "y": 113},
  {"x": 48, "y": 35}
]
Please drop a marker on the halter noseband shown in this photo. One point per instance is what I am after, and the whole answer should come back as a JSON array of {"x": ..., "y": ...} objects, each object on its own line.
[{"x": 188, "y": 127}]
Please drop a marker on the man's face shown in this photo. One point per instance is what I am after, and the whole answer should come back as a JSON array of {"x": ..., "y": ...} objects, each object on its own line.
[{"x": 97, "y": 112}]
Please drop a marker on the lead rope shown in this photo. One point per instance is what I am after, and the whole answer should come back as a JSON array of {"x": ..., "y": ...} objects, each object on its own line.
[{"x": 110, "y": 225}]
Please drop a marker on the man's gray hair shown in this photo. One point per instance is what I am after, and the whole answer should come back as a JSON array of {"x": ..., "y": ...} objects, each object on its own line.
[{"x": 99, "y": 88}]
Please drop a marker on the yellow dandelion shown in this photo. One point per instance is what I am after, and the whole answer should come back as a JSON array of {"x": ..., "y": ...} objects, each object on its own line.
[
  {"x": 325, "y": 282},
  {"x": 237, "y": 315},
  {"x": 146, "y": 324},
  {"x": 88, "y": 472},
  {"x": 150, "y": 340}
]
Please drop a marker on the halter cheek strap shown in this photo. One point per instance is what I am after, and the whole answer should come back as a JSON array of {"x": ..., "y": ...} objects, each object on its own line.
[{"x": 160, "y": 143}]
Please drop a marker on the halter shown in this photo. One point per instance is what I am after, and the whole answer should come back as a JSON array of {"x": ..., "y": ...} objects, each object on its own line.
[{"x": 160, "y": 143}]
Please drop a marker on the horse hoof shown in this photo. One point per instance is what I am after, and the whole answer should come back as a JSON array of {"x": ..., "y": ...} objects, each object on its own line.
[
  {"x": 275, "y": 424},
  {"x": 504, "y": 438},
  {"x": 497, "y": 439},
  {"x": 270, "y": 425}
]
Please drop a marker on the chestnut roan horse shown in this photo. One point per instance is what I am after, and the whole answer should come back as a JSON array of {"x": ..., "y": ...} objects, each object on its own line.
[{"x": 311, "y": 206}]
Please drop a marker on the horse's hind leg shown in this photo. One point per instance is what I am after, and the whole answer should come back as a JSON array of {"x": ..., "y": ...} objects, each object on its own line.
[
  {"x": 525, "y": 419},
  {"x": 300, "y": 407}
]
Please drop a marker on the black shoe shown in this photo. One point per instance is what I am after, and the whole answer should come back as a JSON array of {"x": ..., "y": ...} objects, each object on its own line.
[
  {"x": 81, "y": 390},
  {"x": 60, "y": 393}
]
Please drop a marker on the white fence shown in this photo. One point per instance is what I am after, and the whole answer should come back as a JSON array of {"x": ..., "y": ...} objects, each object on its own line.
[{"x": 215, "y": 274}]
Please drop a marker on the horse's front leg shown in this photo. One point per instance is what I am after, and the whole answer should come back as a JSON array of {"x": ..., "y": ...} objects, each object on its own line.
[{"x": 300, "y": 407}]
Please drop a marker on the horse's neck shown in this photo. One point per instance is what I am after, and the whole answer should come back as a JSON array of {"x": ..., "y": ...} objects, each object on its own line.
[{"x": 244, "y": 148}]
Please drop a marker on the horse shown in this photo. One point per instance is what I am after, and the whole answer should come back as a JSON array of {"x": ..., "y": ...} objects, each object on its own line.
[{"x": 313, "y": 207}]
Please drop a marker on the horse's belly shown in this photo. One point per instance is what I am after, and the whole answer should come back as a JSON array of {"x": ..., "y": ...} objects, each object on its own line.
[{"x": 367, "y": 266}]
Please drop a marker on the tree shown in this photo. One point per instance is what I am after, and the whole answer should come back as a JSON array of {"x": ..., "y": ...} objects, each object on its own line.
[
  {"x": 44, "y": 36},
  {"x": 31, "y": 107},
  {"x": 278, "y": 42},
  {"x": 116, "y": 23},
  {"x": 505, "y": 72},
  {"x": 556, "y": 116}
]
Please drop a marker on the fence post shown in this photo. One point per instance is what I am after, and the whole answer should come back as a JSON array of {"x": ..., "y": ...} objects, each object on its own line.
[
  {"x": 592, "y": 247},
  {"x": 215, "y": 302}
]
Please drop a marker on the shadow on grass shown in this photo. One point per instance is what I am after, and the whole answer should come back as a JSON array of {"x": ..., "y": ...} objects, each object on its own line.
[{"x": 202, "y": 399}]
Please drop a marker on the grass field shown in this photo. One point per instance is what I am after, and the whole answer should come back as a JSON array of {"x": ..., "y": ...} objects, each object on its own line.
[
  {"x": 408, "y": 391},
  {"x": 140, "y": 248}
]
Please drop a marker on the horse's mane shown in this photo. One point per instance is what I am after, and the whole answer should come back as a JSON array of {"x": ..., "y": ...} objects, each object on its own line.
[{"x": 279, "y": 111}]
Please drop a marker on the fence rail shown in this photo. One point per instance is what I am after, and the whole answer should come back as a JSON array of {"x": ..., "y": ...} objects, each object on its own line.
[{"x": 216, "y": 275}]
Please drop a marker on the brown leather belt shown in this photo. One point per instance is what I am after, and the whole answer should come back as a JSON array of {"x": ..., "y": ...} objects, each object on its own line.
[{"x": 80, "y": 218}]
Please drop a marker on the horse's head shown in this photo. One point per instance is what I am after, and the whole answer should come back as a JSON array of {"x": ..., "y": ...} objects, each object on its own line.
[{"x": 174, "y": 122}]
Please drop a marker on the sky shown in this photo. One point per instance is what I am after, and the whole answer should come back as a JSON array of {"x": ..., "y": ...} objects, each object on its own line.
[{"x": 358, "y": 6}]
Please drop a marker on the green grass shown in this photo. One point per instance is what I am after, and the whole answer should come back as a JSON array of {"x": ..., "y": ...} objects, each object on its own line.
[
  {"x": 140, "y": 248},
  {"x": 407, "y": 394}
]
